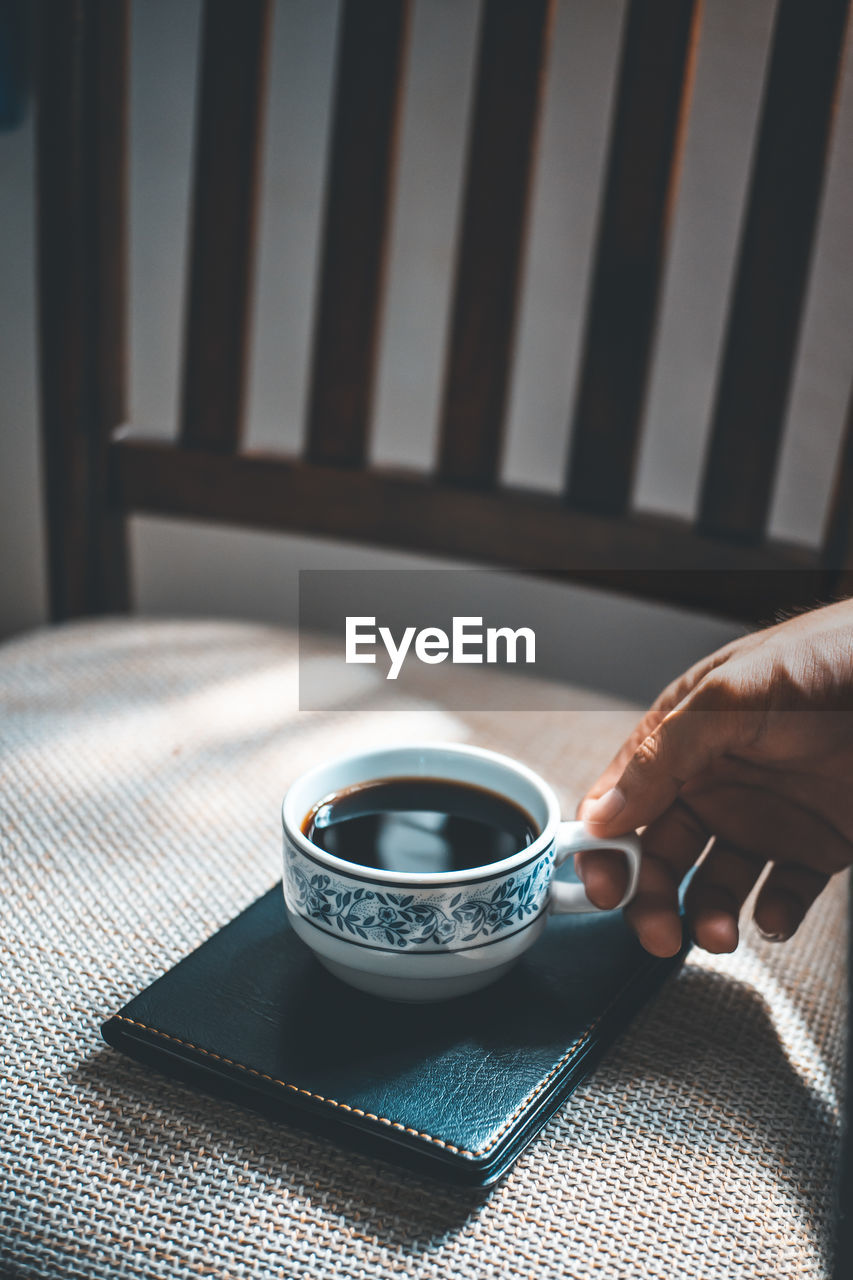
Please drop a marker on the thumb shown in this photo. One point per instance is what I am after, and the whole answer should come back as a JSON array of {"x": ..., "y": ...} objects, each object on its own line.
[{"x": 707, "y": 724}]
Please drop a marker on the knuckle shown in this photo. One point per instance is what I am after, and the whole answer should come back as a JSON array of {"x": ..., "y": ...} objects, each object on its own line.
[
  {"x": 720, "y": 691},
  {"x": 734, "y": 700},
  {"x": 647, "y": 753},
  {"x": 689, "y": 822}
]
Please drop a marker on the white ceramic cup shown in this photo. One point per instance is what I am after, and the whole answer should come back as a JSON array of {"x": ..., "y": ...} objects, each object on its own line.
[{"x": 410, "y": 936}]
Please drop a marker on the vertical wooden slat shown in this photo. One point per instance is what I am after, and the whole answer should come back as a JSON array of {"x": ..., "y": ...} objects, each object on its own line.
[
  {"x": 110, "y": 250},
  {"x": 81, "y": 190},
  {"x": 652, "y": 103},
  {"x": 772, "y": 271},
  {"x": 837, "y": 550},
  {"x": 509, "y": 78},
  {"x": 358, "y": 196},
  {"x": 224, "y": 216}
]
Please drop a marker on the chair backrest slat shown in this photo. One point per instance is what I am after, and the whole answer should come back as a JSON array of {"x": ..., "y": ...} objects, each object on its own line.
[
  {"x": 81, "y": 159},
  {"x": 652, "y": 101},
  {"x": 95, "y": 477},
  {"x": 837, "y": 549},
  {"x": 224, "y": 208},
  {"x": 358, "y": 198},
  {"x": 512, "y": 48},
  {"x": 772, "y": 270},
  {"x": 110, "y": 201}
]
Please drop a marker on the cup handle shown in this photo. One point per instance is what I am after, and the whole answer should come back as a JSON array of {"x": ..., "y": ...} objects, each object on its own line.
[{"x": 573, "y": 837}]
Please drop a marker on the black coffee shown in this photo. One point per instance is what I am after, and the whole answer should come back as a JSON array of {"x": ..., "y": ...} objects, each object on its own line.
[{"x": 419, "y": 825}]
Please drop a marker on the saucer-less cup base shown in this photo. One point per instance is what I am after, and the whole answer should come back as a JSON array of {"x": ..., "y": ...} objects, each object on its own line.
[
  {"x": 414, "y": 937},
  {"x": 416, "y": 978}
]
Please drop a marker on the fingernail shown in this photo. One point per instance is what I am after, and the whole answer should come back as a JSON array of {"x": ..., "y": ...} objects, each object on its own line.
[
  {"x": 772, "y": 937},
  {"x": 605, "y": 808}
]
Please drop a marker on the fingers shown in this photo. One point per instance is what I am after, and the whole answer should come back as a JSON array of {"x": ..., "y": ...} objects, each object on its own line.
[
  {"x": 653, "y": 913},
  {"x": 703, "y": 727},
  {"x": 785, "y": 897},
  {"x": 614, "y": 770},
  {"x": 677, "y": 839},
  {"x": 717, "y": 892},
  {"x": 772, "y": 824},
  {"x": 671, "y": 846},
  {"x": 604, "y": 875},
  {"x": 667, "y": 700}
]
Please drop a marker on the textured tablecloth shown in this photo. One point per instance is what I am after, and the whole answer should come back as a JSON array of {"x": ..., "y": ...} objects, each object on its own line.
[{"x": 142, "y": 766}]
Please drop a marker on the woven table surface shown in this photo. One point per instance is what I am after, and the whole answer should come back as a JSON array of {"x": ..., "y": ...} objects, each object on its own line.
[{"x": 142, "y": 766}]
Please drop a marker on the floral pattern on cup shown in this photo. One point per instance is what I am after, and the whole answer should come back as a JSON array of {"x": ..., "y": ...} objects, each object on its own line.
[{"x": 474, "y": 913}]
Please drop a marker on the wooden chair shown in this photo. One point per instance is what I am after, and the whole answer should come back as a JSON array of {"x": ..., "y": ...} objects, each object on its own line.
[{"x": 98, "y": 470}]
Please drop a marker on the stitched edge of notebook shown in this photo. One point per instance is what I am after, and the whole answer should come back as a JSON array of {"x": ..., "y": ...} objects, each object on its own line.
[{"x": 384, "y": 1120}]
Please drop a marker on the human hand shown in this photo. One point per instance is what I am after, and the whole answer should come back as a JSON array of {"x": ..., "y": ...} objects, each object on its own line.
[{"x": 753, "y": 748}]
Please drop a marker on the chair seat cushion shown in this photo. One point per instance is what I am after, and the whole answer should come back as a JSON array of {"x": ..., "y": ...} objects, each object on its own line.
[{"x": 143, "y": 765}]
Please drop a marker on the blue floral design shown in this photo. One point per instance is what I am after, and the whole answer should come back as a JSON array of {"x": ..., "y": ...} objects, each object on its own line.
[{"x": 474, "y": 914}]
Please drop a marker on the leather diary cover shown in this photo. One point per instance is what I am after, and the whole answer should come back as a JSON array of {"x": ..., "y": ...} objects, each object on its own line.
[{"x": 455, "y": 1089}]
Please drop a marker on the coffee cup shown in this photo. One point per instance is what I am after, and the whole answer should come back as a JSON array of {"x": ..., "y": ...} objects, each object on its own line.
[{"x": 430, "y": 935}]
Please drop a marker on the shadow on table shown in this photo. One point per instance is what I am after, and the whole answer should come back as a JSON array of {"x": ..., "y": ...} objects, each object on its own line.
[
  {"x": 714, "y": 1067},
  {"x": 704, "y": 1065}
]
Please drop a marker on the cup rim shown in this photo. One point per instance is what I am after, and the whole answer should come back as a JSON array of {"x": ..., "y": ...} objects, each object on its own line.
[{"x": 439, "y": 879}]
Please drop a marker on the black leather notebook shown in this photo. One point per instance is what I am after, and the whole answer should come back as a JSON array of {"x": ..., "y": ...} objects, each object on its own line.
[{"x": 455, "y": 1089}]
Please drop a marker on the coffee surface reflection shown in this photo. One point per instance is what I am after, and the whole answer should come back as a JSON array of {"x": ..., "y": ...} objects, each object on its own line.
[{"x": 419, "y": 825}]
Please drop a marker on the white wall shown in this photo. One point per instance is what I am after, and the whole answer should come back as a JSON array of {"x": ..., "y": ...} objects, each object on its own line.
[{"x": 189, "y": 568}]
